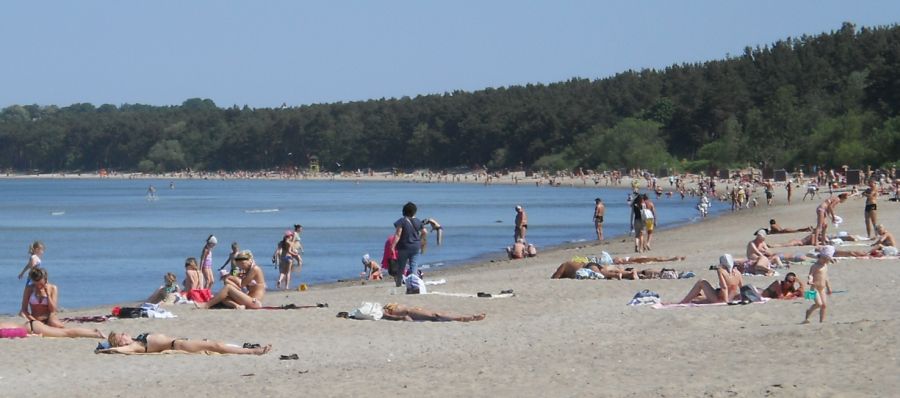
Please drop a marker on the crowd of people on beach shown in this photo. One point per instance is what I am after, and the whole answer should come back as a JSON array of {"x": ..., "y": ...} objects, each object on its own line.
[{"x": 243, "y": 283}]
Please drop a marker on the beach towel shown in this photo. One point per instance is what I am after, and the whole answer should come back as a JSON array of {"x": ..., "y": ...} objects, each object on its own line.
[
  {"x": 490, "y": 296},
  {"x": 585, "y": 273},
  {"x": 368, "y": 311},
  {"x": 199, "y": 295},
  {"x": 154, "y": 312},
  {"x": 84, "y": 319},
  {"x": 667, "y": 306},
  {"x": 294, "y": 306}
]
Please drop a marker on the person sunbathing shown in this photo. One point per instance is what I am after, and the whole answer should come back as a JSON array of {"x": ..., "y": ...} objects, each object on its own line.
[
  {"x": 805, "y": 241},
  {"x": 786, "y": 289},
  {"x": 885, "y": 238},
  {"x": 886, "y": 251},
  {"x": 761, "y": 259},
  {"x": 122, "y": 343},
  {"x": 730, "y": 282},
  {"x": 400, "y": 312},
  {"x": 38, "y": 328},
  {"x": 39, "y": 299},
  {"x": 232, "y": 294},
  {"x": 774, "y": 228}
]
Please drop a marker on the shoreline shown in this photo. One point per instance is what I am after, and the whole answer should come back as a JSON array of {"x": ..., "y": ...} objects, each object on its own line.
[
  {"x": 478, "y": 260},
  {"x": 552, "y": 336}
]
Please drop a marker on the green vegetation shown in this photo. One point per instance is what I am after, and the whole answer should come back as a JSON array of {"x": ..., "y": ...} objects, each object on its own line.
[{"x": 829, "y": 100}]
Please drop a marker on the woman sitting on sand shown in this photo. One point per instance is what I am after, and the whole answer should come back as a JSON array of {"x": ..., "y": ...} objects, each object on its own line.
[
  {"x": 122, "y": 343},
  {"x": 730, "y": 282},
  {"x": 232, "y": 294},
  {"x": 786, "y": 289},
  {"x": 400, "y": 312},
  {"x": 167, "y": 292},
  {"x": 38, "y": 328},
  {"x": 39, "y": 299}
]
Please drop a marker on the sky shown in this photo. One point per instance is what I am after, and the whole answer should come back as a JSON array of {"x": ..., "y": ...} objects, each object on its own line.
[{"x": 269, "y": 53}]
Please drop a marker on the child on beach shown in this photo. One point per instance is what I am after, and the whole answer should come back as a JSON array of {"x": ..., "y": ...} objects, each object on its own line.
[
  {"x": 234, "y": 269},
  {"x": 191, "y": 275},
  {"x": 166, "y": 293},
  {"x": 36, "y": 250},
  {"x": 206, "y": 258},
  {"x": 819, "y": 283}
]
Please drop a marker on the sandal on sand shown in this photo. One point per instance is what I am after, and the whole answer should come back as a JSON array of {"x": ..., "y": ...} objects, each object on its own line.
[
  {"x": 483, "y": 294},
  {"x": 322, "y": 305},
  {"x": 343, "y": 314},
  {"x": 289, "y": 357},
  {"x": 507, "y": 291}
]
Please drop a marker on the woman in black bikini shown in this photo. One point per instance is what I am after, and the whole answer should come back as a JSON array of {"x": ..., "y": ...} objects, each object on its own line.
[{"x": 122, "y": 343}]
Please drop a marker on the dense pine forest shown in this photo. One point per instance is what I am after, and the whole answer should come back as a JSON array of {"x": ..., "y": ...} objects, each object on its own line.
[{"x": 826, "y": 100}]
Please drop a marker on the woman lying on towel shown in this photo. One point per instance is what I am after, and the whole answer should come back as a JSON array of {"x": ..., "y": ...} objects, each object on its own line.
[
  {"x": 233, "y": 294},
  {"x": 122, "y": 343},
  {"x": 400, "y": 312},
  {"x": 38, "y": 328},
  {"x": 730, "y": 282}
]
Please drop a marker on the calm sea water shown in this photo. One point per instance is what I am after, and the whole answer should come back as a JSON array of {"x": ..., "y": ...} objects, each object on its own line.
[{"x": 107, "y": 243}]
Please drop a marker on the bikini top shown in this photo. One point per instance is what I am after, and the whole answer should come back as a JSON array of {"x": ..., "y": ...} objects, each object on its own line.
[
  {"x": 142, "y": 338},
  {"x": 36, "y": 300}
]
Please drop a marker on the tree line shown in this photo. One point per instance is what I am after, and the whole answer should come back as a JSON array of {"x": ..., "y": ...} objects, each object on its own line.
[{"x": 826, "y": 100}]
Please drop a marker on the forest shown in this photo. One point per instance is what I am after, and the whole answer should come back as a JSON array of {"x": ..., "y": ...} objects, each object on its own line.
[{"x": 825, "y": 100}]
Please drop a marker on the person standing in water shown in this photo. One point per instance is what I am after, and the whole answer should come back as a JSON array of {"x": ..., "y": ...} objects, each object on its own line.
[{"x": 521, "y": 224}]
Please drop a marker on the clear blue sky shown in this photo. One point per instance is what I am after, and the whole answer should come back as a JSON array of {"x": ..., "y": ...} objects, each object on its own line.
[{"x": 265, "y": 53}]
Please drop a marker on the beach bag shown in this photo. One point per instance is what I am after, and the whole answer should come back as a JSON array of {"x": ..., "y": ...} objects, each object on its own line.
[
  {"x": 415, "y": 285},
  {"x": 750, "y": 294},
  {"x": 129, "y": 312},
  {"x": 368, "y": 311},
  {"x": 668, "y": 273},
  {"x": 199, "y": 295}
]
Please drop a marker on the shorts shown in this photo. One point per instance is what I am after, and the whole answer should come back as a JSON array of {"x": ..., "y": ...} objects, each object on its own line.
[
  {"x": 598, "y": 219},
  {"x": 768, "y": 195},
  {"x": 871, "y": 207},
  {"x": 648, "y": 224}
]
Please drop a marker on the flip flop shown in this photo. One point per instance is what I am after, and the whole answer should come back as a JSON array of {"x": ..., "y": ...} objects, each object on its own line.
[
  {"x": 289, "y": 357},
  {"x": 483, "y": 294}
]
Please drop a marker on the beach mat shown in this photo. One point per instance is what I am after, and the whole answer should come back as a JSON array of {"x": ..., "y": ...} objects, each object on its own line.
[
  {"x": 483, "y": 295},
  {"x": 294, "y": 306},
  {"x": 668, "y": 306},
  {"x": 85, "y": 319}
]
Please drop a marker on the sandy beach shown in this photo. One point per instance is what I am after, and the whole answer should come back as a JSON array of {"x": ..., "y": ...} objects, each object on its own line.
[{"x": 553, "y": 338}]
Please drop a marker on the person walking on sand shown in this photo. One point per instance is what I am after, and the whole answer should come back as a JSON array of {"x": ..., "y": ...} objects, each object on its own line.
[
  {"x": 36, "y": 250},
  {"x": 521, "y": 224},
  {"x": 599, "y": 210},
  {"x": 870, "y": 212},
  {"x": 649, "y": 218},
  {"x": 206, "y": 262},
  {"x": 408, "y": 232},
  {"x": 790, "y": 190},
  {"x": 819, "y": 283},
  {"x": 637, "y": 223}
]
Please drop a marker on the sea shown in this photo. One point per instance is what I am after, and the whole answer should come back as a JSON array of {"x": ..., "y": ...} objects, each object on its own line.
[{"x": 108, "y": 241}]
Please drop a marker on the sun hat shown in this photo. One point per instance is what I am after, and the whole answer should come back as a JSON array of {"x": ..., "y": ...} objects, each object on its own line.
[
  {"x": 826, "y": 251},
  {"x": 726, "y": 261},
  {"x": 213, "y": 240},
  {"x": 366, "y": 259}
]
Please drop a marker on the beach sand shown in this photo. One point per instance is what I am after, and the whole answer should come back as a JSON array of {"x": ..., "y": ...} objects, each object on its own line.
[{"x": 554, "y": 338}]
